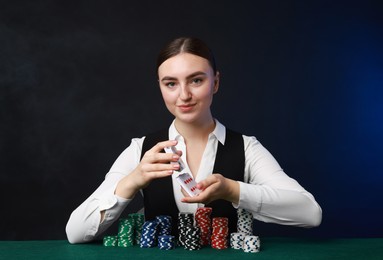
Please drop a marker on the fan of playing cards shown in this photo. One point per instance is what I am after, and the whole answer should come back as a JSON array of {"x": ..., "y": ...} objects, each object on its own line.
[{"x": 184, "y": 179}]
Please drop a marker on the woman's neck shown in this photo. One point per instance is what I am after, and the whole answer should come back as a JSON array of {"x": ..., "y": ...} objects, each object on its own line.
[{"x": 195, "y": 131}]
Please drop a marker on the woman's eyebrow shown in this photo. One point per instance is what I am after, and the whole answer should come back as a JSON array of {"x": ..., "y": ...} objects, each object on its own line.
[
  {"x": 197, "y": 73},
  {"x": 168, "y": 78}
]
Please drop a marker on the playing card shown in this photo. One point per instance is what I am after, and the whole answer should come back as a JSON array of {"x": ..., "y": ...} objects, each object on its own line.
[{"x": 188, "y": 184}]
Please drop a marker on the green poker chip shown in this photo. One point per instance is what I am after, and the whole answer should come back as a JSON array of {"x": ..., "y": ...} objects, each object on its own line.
[
  {"x": 129, "y": 231},
  {"x": 125, "y": 242},
  {"x": 110, "y": 241}
]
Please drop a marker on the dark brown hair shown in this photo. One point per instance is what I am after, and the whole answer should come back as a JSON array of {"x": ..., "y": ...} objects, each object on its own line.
[{"x": 187, "y": 45}]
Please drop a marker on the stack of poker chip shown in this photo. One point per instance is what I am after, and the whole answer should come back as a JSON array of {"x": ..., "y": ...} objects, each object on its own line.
[
  {"x": 125, "y": 232},
  {"x": 185, "y": 220},
  {"x": 157, "y": 232},
  {"x": 192, "y": 238},
  {"x": 149, "y": 234},
  {"x": 138, "y": 220},
  {"x": 245, "y": 222},
  {"x": 203, "y": 220},
  {"x": 110, "y": 241},
  {"x": 220, "y": 233},
  {"x": 251, "y": 244},
  {"x": 243, "y": 238},
  {"x": 164, "y": 225},
  {"x": 129, "y": 231}
]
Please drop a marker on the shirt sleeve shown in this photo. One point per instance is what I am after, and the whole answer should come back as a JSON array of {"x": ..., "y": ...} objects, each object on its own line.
[
  {"x": 84, "y": 222},
  {"x": 270, "y": 194}
]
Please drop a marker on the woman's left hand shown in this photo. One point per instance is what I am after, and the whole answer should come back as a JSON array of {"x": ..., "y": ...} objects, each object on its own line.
[{"x": 213, "y": 188}]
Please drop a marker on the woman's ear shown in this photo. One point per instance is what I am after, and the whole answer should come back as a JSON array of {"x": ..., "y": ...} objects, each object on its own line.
[{"x": 216, "y": 82}]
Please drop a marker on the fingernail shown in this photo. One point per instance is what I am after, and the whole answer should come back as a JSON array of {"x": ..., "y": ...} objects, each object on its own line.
[
  {"x": 176, "y": 166},
  {"x": 176, "y": 157}
]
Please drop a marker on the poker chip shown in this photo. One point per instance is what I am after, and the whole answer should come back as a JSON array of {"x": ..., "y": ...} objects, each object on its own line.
[
  {"x": 166, "y": 242},
  {"x": 251, "y": 244},
  {"x": 138, "y": 219},
  {"x": 164, "y": 225},
  {"x": 125, "y": 242},
  {"x": 157, "y": 232},
  {"x": 236, "y": 240},
  {"x": 185, "y": 220},
  {"x": 189, "y": 235},
  {"x": 110, "y": 241},
  {"x": 125, "y": 232},
  {"x": 129, "y": 231},
  {"x": 220, "y": 231},
  {"x": 192, "y": 238},
  {"x": 194, "y": 231},
  {"x": 149, "y": 234},
  {"x": 203, "y": 220},
  {"x": 245, "y": 222}
]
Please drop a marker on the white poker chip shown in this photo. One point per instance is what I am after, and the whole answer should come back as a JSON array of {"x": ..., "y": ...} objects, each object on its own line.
[
  {"x": 245, "y": 222},
  {"x": 236, "y": 240},
  {"x": 251, "y": 244}
]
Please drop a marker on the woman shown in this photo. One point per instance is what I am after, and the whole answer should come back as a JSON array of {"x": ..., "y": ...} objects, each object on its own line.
[{"x": 232, "y": 170}]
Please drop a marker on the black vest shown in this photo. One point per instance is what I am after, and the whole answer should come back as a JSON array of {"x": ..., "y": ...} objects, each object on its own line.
[{"x": 229, "y": 162}]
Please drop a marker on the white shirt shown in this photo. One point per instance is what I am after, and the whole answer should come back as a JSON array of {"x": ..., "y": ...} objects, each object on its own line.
[{"x": 267, "y": 191}]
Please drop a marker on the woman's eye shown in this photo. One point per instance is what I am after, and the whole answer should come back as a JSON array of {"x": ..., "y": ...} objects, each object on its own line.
[
  {"x": 170, "y": 84},
  {"x": 197, "y": 81}
]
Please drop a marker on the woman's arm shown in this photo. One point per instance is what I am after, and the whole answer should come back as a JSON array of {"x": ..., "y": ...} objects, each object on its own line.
[
  {"x": 103, "y": 207},
  {"x": 271, "y": 195},
  {"x": 267, "y": 192},
  {"x": 128, "y": 175}
]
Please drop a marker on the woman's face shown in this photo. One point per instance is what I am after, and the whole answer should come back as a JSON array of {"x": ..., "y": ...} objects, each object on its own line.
[{"x": 187, "y": 84}]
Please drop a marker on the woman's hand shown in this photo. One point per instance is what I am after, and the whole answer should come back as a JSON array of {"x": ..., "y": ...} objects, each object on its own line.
[
  {"x": 154, "y": 164},
  {"x": 213, "y": 188}
]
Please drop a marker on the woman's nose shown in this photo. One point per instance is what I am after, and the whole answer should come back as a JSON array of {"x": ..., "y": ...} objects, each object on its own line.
[{"x": 185, "y": 92}]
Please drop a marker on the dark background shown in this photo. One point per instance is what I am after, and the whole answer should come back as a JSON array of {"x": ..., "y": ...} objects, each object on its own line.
[{"x": 78, "y": 81}]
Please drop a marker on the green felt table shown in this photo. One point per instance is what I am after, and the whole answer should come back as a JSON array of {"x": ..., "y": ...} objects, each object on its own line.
[{"x": 271, "y": 248}]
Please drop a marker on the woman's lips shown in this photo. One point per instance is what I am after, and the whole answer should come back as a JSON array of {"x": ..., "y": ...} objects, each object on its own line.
[{"x": 186, "y": 107}]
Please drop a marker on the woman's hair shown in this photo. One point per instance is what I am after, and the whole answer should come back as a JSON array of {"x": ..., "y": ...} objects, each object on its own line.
[{"x": 186, "y": 45}]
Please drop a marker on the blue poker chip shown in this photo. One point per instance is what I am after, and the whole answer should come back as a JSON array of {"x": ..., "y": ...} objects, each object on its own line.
[
  {"x": 149, "y": 234},
  {"x": 166, "y": 242}
]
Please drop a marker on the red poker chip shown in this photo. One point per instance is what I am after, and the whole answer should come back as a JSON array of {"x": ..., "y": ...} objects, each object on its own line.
[
  {"x": 218, "y": 224},
  {"x": 203, "y": 220},
  {"x": 219, "y": 235},
  {"x": 221, "y": 229},
  {"x": 220, "y": 220},
  {"x": 219, "y": 245}
]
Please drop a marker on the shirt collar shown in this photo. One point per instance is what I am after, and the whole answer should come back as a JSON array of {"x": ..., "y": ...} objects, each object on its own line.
[{"x": 219, "y": 132}]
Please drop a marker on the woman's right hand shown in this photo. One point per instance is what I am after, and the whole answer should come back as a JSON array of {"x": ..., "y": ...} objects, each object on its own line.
[{"x": 154, "y": 164}]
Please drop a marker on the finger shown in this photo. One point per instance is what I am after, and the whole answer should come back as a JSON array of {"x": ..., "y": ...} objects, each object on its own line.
[
  {"x": 207, "y": 182},
  {"x": 200, "y": 198},
  {"x": 161, "y": 145},
  {"x": 159, "y": 167},
  {"x": 160, "y": 174},
  {"x": 157, "y": 157},
  {"x": 164, "y": 157},
  {"x": 191, "y": 199}
]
